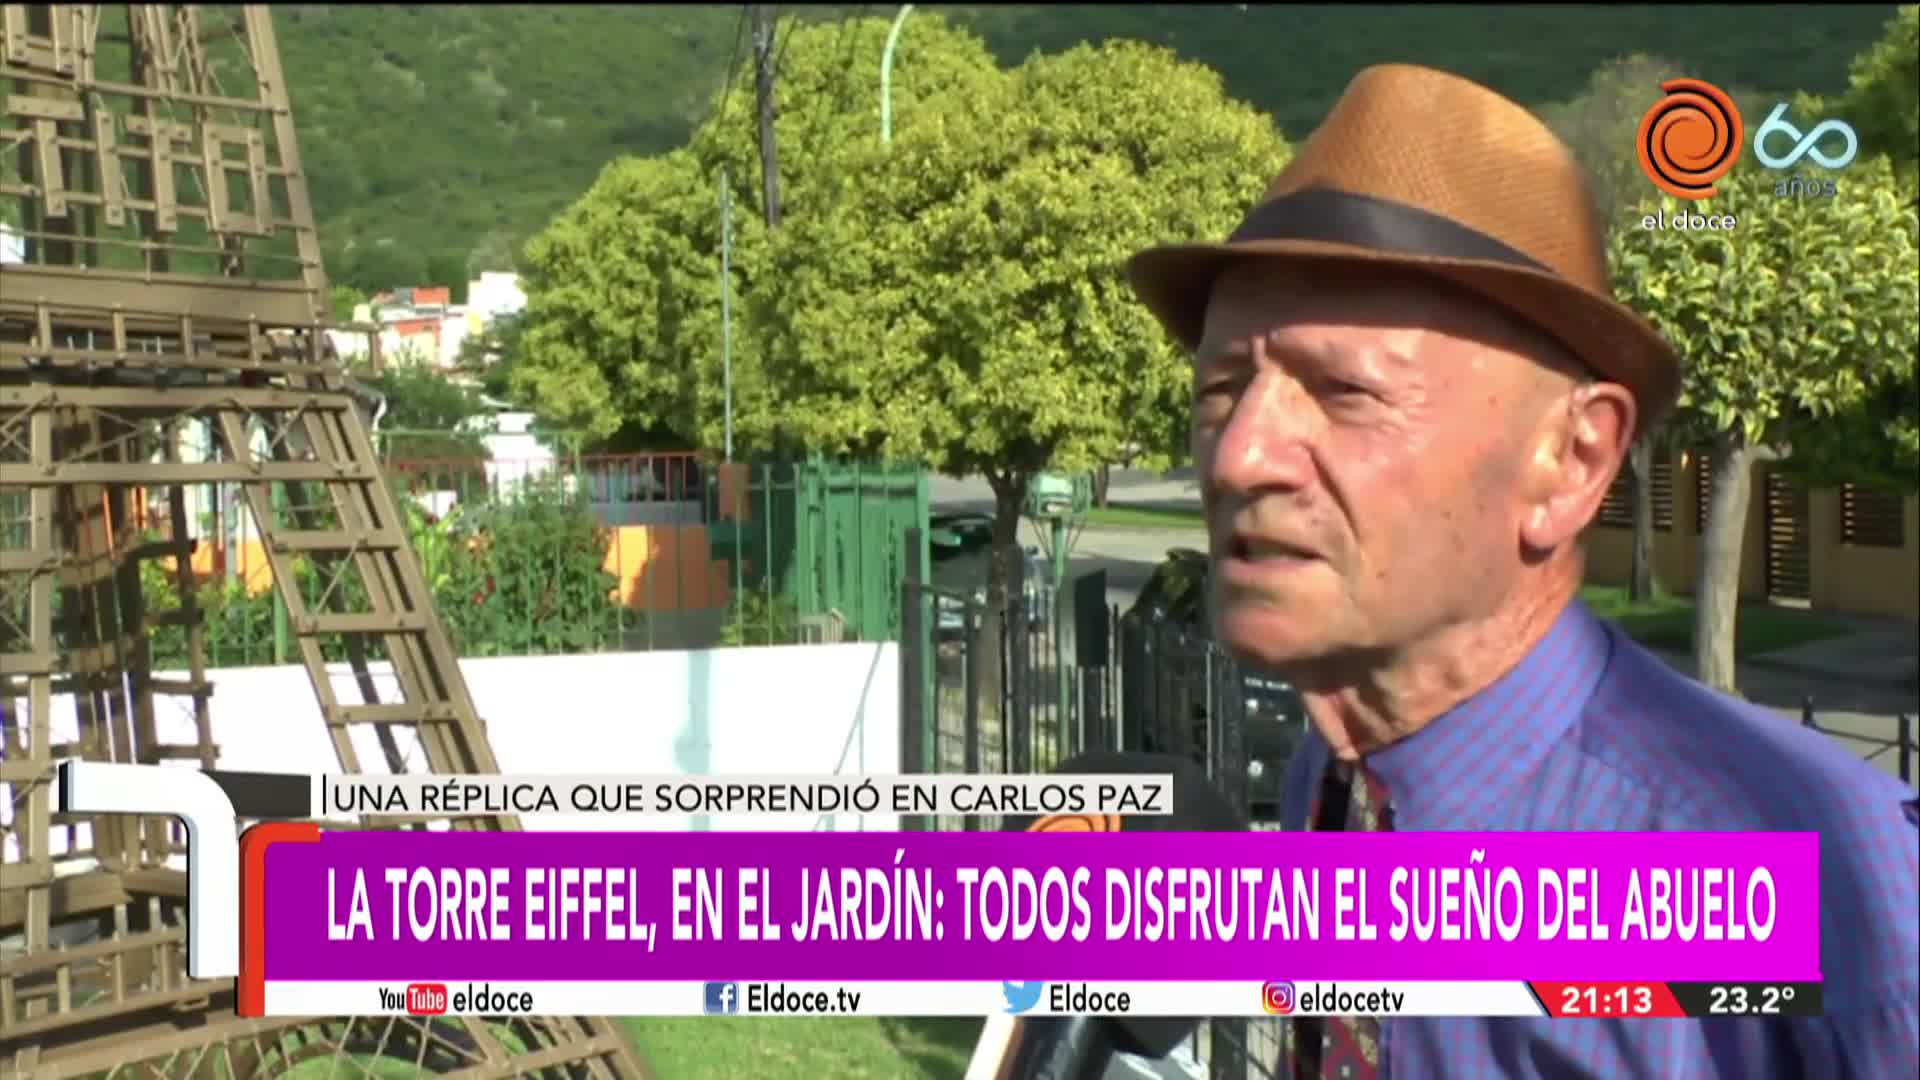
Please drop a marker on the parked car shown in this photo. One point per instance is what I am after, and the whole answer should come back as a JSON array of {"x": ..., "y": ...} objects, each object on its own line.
[
  {"x": 961, "y": 546},
  {"x": 1275, "y": 718}
]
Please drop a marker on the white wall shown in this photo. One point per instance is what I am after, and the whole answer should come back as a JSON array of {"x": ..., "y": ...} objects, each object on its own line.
[
  {"x": 787, "y": 709},
  {"x": 494, "y": 294}
]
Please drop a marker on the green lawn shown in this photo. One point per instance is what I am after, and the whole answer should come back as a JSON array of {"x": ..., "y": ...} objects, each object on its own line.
[
  {"x": 854, "y": 1049},
  {"x": 1145, "y": 516},
  {"x": 1666, "y": 622}
]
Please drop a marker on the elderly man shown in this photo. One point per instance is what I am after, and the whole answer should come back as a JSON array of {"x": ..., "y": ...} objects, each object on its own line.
[{"x": 1411, "y": 391}]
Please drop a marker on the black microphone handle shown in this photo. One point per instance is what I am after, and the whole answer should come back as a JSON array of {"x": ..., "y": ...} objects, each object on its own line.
[{"x": 1062, "y": 1048}]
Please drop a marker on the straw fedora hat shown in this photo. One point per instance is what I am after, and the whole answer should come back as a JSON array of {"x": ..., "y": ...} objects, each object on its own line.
[{"x": 1422, "y": 170}]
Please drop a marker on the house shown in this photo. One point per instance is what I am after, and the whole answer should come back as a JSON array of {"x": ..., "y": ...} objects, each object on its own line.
[
  {"x": 424, "y": 324},
  {"x": 494, "y": 295},
  {"x": 1847, "y": 549}
]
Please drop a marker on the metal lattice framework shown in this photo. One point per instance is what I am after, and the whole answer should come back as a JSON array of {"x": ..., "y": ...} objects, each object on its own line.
[{"x": 162, "y": 330}]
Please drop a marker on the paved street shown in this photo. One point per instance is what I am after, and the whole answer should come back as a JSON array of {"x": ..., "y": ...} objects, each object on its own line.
[{"x": 1859, "y": 683}]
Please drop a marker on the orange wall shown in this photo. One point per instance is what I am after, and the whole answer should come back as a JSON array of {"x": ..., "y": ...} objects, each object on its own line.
[{"x": 662, "y": 568}]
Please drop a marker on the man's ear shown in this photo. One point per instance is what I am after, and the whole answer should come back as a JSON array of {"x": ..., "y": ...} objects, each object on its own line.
[{"x": 1576, "y": 454}]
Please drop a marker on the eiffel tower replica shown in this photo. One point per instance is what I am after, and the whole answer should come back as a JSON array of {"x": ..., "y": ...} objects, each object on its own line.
[{"x": 163, "y": 331}]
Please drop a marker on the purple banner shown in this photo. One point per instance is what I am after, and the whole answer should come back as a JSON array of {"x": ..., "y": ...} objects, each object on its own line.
[{"x": 1053, "y": 906}]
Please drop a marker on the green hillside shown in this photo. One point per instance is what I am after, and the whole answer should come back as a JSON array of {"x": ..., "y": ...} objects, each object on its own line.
[{"x": 449, "y": 134}]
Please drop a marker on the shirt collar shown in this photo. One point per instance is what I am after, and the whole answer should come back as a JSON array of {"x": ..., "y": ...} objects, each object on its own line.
[{"x": 1487, "y": 743}]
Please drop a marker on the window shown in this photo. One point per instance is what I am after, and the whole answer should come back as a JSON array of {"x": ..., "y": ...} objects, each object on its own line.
[
  {"x": 1702, "y": 490},
  {"x": 1616, "y": 512},
  {"x": 1870, "y": 518}
]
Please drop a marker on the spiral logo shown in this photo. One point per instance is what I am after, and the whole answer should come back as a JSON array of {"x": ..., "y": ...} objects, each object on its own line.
[
  {"x": 1276, "y": 998},
  {"x": 1076, "y": 823},
  {"x": 1690, "y": 138}
]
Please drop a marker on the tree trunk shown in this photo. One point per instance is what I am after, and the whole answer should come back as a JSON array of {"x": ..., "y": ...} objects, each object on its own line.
[
  {"x": 1716, "y": 595},
  {"x": 1100, "y": 481},
  {"x": 1004, "y": 569},
  {"x": 1641, "y": 587}
]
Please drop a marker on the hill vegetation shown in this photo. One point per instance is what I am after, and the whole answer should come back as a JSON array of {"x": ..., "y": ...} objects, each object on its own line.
[{"x": 438, "y": 139}]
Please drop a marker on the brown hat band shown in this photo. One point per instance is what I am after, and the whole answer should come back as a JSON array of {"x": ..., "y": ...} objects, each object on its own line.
[{"x": 1323, "y": 215}]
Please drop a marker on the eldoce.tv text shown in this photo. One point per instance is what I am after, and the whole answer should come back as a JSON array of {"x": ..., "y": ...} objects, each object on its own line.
[{"x": 776, "y": 998}]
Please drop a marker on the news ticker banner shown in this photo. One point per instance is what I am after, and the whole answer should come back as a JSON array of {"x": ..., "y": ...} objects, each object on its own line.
[
  {"x": 210, "y": 803},
  {"x": 577, "y": 908},
  {"x": 326, "y": 795},
  {"x": 1615, "y": 1000}
]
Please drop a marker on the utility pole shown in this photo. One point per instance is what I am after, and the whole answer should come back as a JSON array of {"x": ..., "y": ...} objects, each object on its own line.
[
  {"x": 763, "y": 37},
  {"x": 886, "y": 73},
  {"x": 726, "y": 304}
]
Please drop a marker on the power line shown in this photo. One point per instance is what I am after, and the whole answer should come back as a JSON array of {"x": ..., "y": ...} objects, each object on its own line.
[
  {"x": 733, "y": 66},
  {"x": 822, "y": 107},
  {"x": 785, "y": 35}
]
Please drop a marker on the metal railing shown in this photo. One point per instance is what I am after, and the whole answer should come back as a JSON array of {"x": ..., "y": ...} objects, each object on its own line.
[{"x": 1903, "y": 743}]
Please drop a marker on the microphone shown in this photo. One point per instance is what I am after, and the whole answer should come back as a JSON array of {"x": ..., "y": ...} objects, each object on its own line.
[{"x": 1081, "y": 1047}]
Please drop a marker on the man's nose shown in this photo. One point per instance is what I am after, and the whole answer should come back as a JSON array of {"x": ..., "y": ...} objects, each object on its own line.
[{"x": 1262, "y": 445}]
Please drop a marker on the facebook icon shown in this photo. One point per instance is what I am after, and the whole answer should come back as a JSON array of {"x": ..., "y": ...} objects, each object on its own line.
[{"x": 722, "y": 997}]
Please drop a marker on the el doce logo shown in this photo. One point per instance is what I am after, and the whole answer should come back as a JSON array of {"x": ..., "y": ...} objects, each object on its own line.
[{"x": 1691, "y": 137}]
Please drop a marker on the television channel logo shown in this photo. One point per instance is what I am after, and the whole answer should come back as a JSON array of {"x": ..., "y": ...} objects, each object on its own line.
[
  {"x": 722, "y": 998},
  {"x": 1807, "y": 145},
  {"x": 1021, "y": 996},
  {"x": 1276, "y": 998},
  {"x": 1690, "y": 138}
]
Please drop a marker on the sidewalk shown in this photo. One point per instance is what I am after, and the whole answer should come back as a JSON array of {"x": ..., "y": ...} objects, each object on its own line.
[
  {"x": 1846, "y": 678},
  {"x": 1881, "y": 652}
]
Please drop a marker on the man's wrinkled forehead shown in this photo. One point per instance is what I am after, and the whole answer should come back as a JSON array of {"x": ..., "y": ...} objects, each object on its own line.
[{"x": 1253, "y": 299}]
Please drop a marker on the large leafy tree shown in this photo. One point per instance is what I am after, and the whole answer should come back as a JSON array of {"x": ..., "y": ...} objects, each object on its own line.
[
  {"x": 1804, "y": 312},
  {"x": 966, "y": 305},
  {"x": 1883, "y": 98},
  {"x": 1877, "y": 443},
  {"x": 1601, "y": 126},
  {"x": 623, "y": 303},
  {"x": 623, "y": 328}
]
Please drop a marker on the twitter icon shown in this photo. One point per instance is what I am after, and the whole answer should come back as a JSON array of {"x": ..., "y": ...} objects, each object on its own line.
[{"x": 1021, "y": 996}]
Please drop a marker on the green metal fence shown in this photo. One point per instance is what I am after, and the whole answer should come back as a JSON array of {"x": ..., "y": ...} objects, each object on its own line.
[{"x": 820, "y": 540}]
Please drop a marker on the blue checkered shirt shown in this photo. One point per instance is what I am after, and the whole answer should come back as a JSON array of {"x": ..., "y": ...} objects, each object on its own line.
[{"x": 1592, "y": 732}]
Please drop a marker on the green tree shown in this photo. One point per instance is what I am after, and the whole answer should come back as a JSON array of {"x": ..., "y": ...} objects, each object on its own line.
[
  {"x": 429, "y": 417},
  {"x": 1802, "y": 313},
  {"x": 343, "y": 299},
  {"x": 1883, "y": 99},
  {"x": 623, "y": 321},
  {"x": 622, "y": 302},
  {"x": 449, "y": 270},
  {"x": 1601, "y": 126},
  {"x": 491, "y": 356},
  {"x": 1876, "y": 443},
  {"x": 963, "y": 303},
  {"x": 381, "y": 267}
]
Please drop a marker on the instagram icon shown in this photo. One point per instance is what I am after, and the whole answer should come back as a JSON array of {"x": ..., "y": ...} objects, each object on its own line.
[{"x": 1277, "y": 998}]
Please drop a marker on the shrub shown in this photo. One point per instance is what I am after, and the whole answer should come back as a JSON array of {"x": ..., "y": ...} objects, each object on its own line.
[{"x": 525, "y": 574}]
